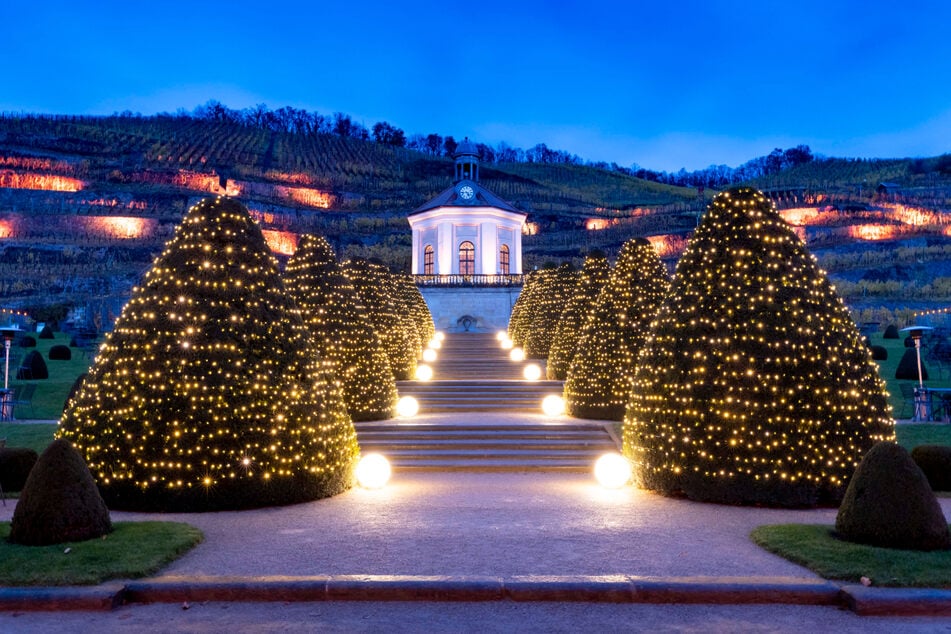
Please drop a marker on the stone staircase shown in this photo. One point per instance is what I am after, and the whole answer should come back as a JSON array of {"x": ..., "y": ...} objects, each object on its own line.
[{"x": 479, "y": 414}]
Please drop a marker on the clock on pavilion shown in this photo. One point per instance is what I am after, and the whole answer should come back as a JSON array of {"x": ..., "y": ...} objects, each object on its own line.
[{"x": 467, "y": 250}]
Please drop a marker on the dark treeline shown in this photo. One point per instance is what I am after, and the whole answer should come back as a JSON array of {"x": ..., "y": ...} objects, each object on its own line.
[{"x": 303, "y": 122}]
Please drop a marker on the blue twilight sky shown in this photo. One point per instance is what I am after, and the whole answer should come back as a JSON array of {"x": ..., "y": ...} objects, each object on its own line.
[{"x": 662, "y": 84}]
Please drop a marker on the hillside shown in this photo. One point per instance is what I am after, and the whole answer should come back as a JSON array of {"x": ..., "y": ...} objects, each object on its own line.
[{"x": 87, "y": 202}]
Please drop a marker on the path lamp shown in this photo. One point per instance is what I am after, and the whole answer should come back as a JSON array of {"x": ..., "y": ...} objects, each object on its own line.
[{"x": 922, "y": 406}]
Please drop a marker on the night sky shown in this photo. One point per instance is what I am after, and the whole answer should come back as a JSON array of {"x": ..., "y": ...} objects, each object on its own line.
[{"x": 661, "y": 84}]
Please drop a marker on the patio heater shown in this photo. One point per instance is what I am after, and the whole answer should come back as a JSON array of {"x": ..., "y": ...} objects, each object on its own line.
[
  {"x": 922, "y": 403},
  {"x": 9, "y": 333},
  {"x": 6, "y": 395}
]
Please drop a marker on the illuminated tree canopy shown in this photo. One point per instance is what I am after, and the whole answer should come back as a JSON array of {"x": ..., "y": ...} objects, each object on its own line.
[
  {"x": 601, "y": 373},
  {"x": 342, "y": 331},
  {"x": 755, "y": 386},
  {"x": 593, "y": 275},
  {"x": 208, "y": 394},
  {"x": 376, "y": 291}
]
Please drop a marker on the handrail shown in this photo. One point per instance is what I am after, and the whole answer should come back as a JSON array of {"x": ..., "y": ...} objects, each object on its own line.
[{"x": 469, "y": 280}]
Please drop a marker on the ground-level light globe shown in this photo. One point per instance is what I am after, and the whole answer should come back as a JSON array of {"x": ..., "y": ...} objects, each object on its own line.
[
  {"x": 434, "y": 344},
  {"x": 553, "y": 405},
  {"x": 517, "y": 354},
  {"x": 429, "y": 355},
  {"x": 373, "y": 471},
  {"x": 423, "y": 372},
  {"x": 439, "y": 335},
  {"x": 612, "y": 471},
  {"x": 501, "y": 335},
  {"x": 507, "y": 344},
  {"x": 407, "y": 407},
  {"x": 532, "y": 372}
]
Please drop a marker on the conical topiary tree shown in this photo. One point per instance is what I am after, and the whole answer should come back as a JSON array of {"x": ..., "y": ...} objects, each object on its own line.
[
  {"x": 907, "y": 369},
  {"x": 342, "y": 331},
  {"x": 600, "y": 376},
  {"x": 520, "y": 319},
  {"x": 591, "y": 280},
  {"x": 208, "y": 394},
  {"x": 890, "y": 504},
  {"x": 418, "y": 308},
  {"x": 755, "y": 386},
  {"x": 553, "y": 293},
  {"x": 59, "y": 502},
  {"x": 375, "y": 291}
]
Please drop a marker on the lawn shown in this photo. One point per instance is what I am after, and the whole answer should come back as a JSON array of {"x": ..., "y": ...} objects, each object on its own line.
[
  {"x": 51, "y": 393},
  {"x": 133, "y": 549},
  {"x": 815, "y": 547}
]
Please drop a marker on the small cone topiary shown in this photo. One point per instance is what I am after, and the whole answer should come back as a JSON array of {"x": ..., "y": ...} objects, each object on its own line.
[
  {"x": 60, "y": 352},
  {"x": 525, "y": 305},
  {"x": 47, "y": 333},
  {"x": 552, "y": 296},
  {"x": 889, "y": 504},
  {"x": 908, "y": 367},
  {"x": 891, "y": 332},
  {"x": 33, "y": 367},
  {"x": 59, "y": 502}
]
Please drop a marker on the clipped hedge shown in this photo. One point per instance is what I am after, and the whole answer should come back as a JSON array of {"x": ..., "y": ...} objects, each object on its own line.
[
  {"x": 28, "y": 341},
  {"x": 891, "y": 332},
  {"x": 908, "y": 367},
  {"x": 59, "y": 352},
  {"x": 879, "y": 353},
  {"x": 47, "y": 333},
  {"x": 935, "y": 462},
  {"x": 15, "y": 466}
]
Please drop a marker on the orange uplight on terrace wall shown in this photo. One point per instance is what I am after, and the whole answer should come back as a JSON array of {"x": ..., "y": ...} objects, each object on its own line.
[
  {"x": 915, "y": 216},
  {"x": 305, "y": 196},
  {"x": 45, "y": 182},
  {"x": 669, "y": 245},
  {"x": 873, "y": 232},
  {"x": 6, "y": 228},
  {"x": 120, "y": 227},
  {"x": 800, "y": 216},
  {"x": 283, "y": 242},
  {"x": 530, "y": 229},
  {"x": 598, "y": 224}
]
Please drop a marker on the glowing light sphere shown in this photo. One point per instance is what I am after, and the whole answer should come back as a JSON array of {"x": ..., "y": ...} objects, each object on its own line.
[
  {"x": 507, "y": 344},
  {"x": 434, "y": 344},
  {"x": 501, "y": 335},
  {"x": 517, "y": 354},
  {"x": 407, "y": 407},
  {"x": 532, "y": 372},
  {"x": 429, "y": 355},
  {"x": 423, "y": 372},
  {"x": 553, "y": 405},
  {"x": 373, "y": 471},
  {"x": 439, "y": 335},
  {"x": 612, "y": 471}
]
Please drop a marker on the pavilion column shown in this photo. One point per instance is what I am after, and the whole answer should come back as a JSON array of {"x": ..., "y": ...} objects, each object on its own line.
[{"x": 489, "y": 247}]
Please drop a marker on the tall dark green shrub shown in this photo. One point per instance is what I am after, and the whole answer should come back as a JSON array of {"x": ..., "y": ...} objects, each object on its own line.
[
  {"x": 209, "y": 394},
  {"x": 907, "y": 369},
  {"x": 33, "y": 367},
  {"x": 754, "y": 386}
]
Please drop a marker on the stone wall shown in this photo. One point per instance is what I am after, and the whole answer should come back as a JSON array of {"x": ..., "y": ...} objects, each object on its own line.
[{"x": 487, "y": 308}]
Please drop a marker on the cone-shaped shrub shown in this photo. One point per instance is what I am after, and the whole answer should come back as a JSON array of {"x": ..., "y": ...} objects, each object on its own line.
[
  {"x": 553, "y": 294},
  {"x": 907, "y": 369},
  {"x": 935, "y": 462},
  {"x": 47, "y": 333},
  {"x": 417, "y": 307},
  {"x": 375, "y": 292},
  {"x": 564, "y": 345},
  {"x": 408, "y": 322},
  {"x": 600, "y": 376},
  {"x": 754, "y": 386},
  {"x": 28, "y": 342},
  {"x": 522, "y": 311},
  {"x": 59, "y": 502},
  {"x": 208, "y": 394},
  {"x": 15, "y": 466},
  {"x": 60, "y": 352},
  {"x": 341, "y": 329},
  {"x": 891, "y": 332},
  {"x": 32, "y": 367},
  {"x": 889, "y": 503}
]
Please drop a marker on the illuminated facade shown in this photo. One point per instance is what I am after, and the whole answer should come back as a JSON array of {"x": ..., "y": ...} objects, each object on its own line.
[{"x": 466, "y": 229}]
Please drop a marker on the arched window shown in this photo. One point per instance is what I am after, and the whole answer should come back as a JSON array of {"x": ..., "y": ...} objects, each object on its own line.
[
  {"x": 504, "y": 260},
  {"x": 429, "y": 262},
  {"x": 466, "y": 258}
]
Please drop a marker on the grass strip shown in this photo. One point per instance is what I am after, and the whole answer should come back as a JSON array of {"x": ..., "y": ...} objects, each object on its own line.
[
  {"x": 815, "y": 547},
  {"x": 132, "y": 550}
]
